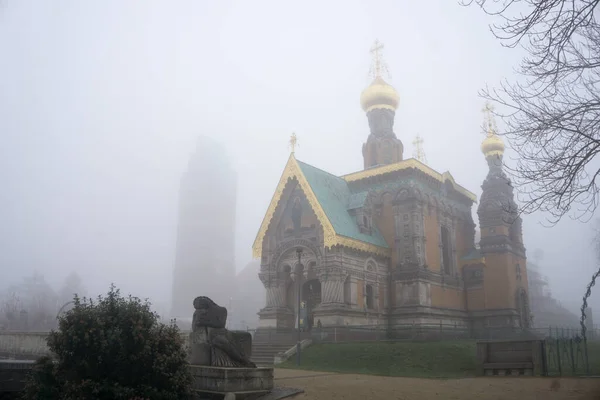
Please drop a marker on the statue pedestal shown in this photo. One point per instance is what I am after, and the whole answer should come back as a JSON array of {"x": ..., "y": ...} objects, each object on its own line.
[{"x": 241, "y": 382}]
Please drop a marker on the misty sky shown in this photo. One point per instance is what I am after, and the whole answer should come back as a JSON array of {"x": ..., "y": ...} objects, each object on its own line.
[{"x": 101, "y": 103}]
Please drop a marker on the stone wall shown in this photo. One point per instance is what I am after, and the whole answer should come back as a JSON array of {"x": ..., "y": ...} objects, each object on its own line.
[
  {"x": 32, "y": 345},
  {"x": 23, "y": 345}
]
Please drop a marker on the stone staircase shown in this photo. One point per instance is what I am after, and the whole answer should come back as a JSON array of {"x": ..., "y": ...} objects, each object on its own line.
[{"x": 266, "y": 343}]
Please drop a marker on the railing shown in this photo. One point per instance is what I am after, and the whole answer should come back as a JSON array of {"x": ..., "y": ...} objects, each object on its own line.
[{"x": 437, "y": 332}]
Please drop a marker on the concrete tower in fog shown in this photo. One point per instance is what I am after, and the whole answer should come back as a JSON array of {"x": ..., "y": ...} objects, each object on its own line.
[{"x": 204, "y": 259}]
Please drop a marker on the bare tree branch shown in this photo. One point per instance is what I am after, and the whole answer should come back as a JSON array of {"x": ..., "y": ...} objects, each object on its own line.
[{"x": 552, "y": 114}]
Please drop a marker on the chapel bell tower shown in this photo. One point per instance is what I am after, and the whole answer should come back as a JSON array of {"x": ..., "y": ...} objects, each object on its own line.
[{"x": 380, "y": 100}]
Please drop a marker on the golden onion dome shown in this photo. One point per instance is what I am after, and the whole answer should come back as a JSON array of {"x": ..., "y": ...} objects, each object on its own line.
[
  {"x": 492, "y": 145},
  {"x": 379, "y": 94}
]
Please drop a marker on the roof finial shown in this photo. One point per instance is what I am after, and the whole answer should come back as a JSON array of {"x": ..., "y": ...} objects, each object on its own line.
[
  {"x": 418, "y": 151},
  {"x": 378, "y": 66},
  {"x": 293, "y": 142},
  {"x": 489, "y": 118}
]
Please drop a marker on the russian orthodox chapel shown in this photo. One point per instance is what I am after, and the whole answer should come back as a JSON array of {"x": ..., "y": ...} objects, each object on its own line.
[{"x": 393, "y": 244}]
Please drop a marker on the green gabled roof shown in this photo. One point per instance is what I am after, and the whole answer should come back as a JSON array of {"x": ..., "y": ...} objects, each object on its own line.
[{"x": 334, "y": 196}]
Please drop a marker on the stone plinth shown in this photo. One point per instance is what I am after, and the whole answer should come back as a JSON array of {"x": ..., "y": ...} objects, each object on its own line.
[{"x": 243, "y": 382}]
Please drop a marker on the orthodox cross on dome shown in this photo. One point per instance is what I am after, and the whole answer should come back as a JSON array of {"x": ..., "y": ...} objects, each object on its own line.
[
  {"x": 418, "y": 151},
  {"x": 378, "y": 65},
  {"x": 488, "y": 116},
  {"x": 293, "y": 142}
]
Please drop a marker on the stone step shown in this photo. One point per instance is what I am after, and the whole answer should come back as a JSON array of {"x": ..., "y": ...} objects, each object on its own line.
[
  {"x": 282, "y": 343},
  {"x": 274, "y": 347},
  {"x": 263, "y": 360},
  {"x": 270, "y": 351},
  {"x": 265, "y": 355}
]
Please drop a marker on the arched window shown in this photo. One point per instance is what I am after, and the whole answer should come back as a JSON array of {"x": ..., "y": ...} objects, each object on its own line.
[
  {"x": 369, "y": 299},
  {"x": 348, "y": 291},
  {"x": 297, "y": 214},
  {"x": 446, "y": 251},
  {"x": 523, "y": 308},
  {"x": 518, "y": 272}
]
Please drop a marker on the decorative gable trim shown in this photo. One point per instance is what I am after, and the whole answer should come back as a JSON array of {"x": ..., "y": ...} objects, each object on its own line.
[
  {"x": 293, "y": 171},
  {"x": 406, "y": 164}
]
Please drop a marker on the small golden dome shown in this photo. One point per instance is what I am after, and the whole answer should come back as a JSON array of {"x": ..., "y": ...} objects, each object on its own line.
[
  {"x": 379, "y": 94},
  {"x": 492, "y": 145}
]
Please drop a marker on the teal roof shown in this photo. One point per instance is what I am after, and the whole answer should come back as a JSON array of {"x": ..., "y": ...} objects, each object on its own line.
[
  {"x": 357, "y": 200},
  {"x": 334, "y": 196},
  {"x": 474, "y": 254}
]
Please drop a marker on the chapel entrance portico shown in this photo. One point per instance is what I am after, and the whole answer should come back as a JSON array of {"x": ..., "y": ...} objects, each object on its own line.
[{"x": 311, "y": 297}]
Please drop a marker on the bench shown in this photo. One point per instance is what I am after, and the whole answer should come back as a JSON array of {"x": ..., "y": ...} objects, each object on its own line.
[
  {"x": 511, "y": 357},
  {"x": 508, "y": 369}
]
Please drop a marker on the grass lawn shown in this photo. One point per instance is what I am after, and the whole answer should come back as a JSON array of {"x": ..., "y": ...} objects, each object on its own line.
[{"x": 453, "y": 359}]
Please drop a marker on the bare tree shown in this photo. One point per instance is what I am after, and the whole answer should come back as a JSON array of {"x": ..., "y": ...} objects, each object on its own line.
[
  {"x": 552, "y": 113},
  {"x": 38, "y": 303},
  {"x": 72, "y": 286},
  {"x": 11, "y": 305}
]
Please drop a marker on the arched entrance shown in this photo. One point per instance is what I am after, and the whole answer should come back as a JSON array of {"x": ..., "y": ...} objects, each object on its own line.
[{"x": 311, "y": 295}]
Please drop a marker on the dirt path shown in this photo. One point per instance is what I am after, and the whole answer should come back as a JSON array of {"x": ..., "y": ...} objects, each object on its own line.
[{"x": 325, "y": 386}]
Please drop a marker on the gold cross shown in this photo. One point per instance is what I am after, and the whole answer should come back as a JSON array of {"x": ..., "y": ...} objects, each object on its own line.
[
  {"x": 487, "y": 111},
  {"x": 378, "y": 66},
  {"x": 418, "y": 151},
  {"x": 293, "y": 142}
]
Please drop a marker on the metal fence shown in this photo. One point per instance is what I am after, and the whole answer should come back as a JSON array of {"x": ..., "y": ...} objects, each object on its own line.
[{"x": 568, "y": 356}]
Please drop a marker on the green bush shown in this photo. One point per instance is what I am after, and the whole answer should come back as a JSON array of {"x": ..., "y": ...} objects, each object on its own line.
[{"x": 112, "y": 348}]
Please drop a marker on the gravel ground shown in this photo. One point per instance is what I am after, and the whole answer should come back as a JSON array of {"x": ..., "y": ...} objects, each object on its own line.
[{"x": 326, "y": 386}]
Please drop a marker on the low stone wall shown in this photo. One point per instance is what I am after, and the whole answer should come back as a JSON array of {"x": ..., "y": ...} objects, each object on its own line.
[
  {"x": 248, "y": 381},
  {"x": 23, "y": 345},
  {"x": 32, "y": 345}
]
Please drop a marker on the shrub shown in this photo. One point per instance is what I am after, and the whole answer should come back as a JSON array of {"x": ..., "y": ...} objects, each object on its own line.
[{"x": 112, "y": 348}]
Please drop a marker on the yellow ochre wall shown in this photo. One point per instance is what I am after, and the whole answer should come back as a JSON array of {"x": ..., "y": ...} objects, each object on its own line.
[
  {"x": 432, "y": 247},
  {"x": 499, "y": 280},
  {"x": 476, "y": 299},
  {"x": 446, "y": 297}
]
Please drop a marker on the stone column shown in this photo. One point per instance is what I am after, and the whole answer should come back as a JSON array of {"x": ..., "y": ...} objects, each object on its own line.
[
  {"x": 418, "y": 221},
  {"x": 276, "y": 290},
  {"x": 277, "y": 293},
  {"x": 453, "y": 246},
  {"x": 397, "y": 236},
  {"x": 332, "y": 286}
]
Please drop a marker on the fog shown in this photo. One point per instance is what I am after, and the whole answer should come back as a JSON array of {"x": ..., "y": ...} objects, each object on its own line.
[{"x": 102, "y": 104}]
